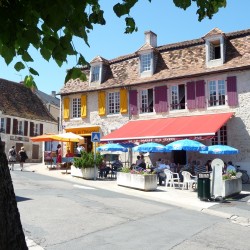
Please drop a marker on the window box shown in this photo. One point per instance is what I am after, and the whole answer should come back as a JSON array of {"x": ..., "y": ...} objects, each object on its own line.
[{"x": 137, "y": 181}]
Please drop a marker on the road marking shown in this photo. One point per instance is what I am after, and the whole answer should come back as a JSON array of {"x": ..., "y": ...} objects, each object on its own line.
[{"x": 83, "y": 187}]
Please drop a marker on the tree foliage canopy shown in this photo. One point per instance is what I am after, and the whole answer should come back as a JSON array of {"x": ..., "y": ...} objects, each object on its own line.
[{"x": 49, "y": 26}]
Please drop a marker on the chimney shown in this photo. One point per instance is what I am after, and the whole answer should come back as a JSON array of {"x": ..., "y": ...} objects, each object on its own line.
[
  {"x": 53, "y": 93},
  {"x": 151, "y": 38}
]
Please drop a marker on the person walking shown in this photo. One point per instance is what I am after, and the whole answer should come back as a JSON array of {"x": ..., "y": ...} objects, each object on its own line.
[
  {"x": 12, "y": 157},
  {"x": 23, "y": 157},
  {"x": 58, "y": 155}
]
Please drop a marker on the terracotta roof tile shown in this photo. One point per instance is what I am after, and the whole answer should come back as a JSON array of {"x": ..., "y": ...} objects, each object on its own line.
[
  {"x": 19, "y": 101},
  {"x": 177, "y": 60}
]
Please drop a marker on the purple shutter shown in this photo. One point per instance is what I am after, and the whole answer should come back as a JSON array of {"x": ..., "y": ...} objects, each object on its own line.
[
  {"x": 191, "y": 95},
  {"x": 232, "y": 96},
  {"x": 133, "y": 109},
  {"x": 8, "y": 125},
  {"x": 41, "y": 128},
  {"x": 14, "y": 128},
  {"x": 25, "y": 128},
  {"x": 161, "y": 101},
  {"x": 200, "y": 94}
]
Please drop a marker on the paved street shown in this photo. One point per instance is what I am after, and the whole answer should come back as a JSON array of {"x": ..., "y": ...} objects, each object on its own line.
[{"x": 70, "y": 213}]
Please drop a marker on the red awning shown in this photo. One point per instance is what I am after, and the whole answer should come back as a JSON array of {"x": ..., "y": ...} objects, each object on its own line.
[{"x": 165, "y": 129}]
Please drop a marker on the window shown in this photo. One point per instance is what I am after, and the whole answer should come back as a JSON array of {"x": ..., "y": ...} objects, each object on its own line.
[
  {"x": 76, "y": 107},
  {"x": 145, "y": 62},
  {"x": 20, "y": 128},
  {"x": 216, "y": 93},
  {"x": 2, "y": 125},
  {"x": 36, "y": 129},
  {"x": 215, "y": 51},
  {"x": 177, "y": 97},
  {"x": 220, "y": 136},
  {"x": 146, "y": 97},
  {"x": 114, "y": 103},
  {"x": 95, "y": 73}
]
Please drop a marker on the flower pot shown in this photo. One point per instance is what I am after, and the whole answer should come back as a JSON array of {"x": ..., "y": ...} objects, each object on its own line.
[
  {"x": 138, "y": 181},
  {"x": 85, "y": 173},
  {"x": 231, "y": 187}
]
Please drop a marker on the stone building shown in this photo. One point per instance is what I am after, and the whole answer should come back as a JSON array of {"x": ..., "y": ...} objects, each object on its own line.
[
  {"x": 198, "y": 89},
  {"x": 23, "y": 115}
]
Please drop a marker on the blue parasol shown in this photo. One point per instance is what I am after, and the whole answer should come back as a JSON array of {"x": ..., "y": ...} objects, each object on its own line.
[
  {"x": 220, "y": 150},
  {"x": 150, "y": 147},
  {"x": 186, "y": 144},
  {"x": 112, "y": 147}
]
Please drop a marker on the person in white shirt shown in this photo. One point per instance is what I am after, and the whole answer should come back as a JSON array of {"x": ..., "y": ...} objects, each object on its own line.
[
  {"x": 230, "y": 166},
  {"x": 79, "y": 149}
]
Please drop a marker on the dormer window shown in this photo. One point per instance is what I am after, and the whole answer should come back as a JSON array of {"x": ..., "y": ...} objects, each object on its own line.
[
  {"x": 95, "y": 73},
  {"x": 146, "y": 62},
  {"x": 215, "y": 51}
]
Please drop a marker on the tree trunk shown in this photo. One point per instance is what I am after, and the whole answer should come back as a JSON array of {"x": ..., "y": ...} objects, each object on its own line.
[{"x": 11, "y": 231}]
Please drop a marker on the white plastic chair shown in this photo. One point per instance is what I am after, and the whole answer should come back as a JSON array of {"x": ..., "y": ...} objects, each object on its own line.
[
  {"x": 188, "y": 180},
  {"x": 172, "y": 178}
]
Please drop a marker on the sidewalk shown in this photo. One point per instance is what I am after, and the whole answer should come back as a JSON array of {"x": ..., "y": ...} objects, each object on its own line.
[{"x": 172, "y": 196}]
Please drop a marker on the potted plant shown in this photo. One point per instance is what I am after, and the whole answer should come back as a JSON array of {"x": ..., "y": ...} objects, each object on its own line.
[
  {"x": 84, "y": 166},
  {"x": 139, "y": 179}
]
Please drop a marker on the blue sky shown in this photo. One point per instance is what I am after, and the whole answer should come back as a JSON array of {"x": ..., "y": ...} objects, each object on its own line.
[{"x": 170, "y": 23}]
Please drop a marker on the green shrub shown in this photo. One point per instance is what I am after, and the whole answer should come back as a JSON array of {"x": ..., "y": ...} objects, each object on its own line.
[{"x": 87, "y": 160}]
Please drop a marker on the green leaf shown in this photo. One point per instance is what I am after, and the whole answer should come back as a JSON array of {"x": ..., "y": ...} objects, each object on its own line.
[
  {"x": 26, "y": 57},
  {"x": 82, "y": 61},
  {"x": 46, "y": 54},
  {"x": 184, "y": 4},
  {"x": 19, "y": 66},
  {"x": 33, "y": 72},
  {"x": 29, "y": 82},
  {"x": 75, "y": 73},
  {"x": 8, "y": 54}
]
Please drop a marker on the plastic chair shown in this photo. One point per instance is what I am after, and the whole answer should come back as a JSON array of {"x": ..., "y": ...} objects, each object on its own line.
[
  {"x": 172, "y": 178},
  {"x": 188, "y": 180}
]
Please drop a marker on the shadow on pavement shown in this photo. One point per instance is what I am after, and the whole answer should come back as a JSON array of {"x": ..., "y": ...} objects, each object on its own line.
[{"x": 19, "y": 199}]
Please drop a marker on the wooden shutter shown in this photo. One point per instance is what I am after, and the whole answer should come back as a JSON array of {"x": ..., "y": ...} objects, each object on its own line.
[
  {"x": 232, "y": 96},
  {"x": 83, "y": 106},
  {"x": 25, "y": 128},
  {"x": 123, "y": 101},
  {"x": 102, "y": 103},
  {"x": 191, "y": 104},
  {"x": 41, "y": 128},
  {"x": 200, "y": 94},
  {"x": 133, "y": 109},
  {"x": 8, "y": 125},
  {"x": 14, "y": 128},
  {"x": 66, "y": 108},
  {"x": 31, "y": 128},
  {"x": 161, "y": 103}
]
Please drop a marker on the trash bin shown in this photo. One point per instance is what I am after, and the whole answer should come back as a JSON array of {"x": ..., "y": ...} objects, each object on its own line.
[{"x": 204, "y": 186}]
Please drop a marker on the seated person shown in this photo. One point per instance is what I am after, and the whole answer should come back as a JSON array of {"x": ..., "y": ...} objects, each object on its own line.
[
  {"x": 69, "y": 154},
  {"x": 230, "y": 166},
  {"x": 104, "y": 170},
  {"x": 117, "y": 164}
]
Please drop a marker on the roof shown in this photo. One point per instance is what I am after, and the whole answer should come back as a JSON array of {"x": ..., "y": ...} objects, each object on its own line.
[
  {"x": 19, "y": 101},
  {"x": 48, "y": 99},
  {"x": 174, "y": 61},
  {"x": 203, "y": 126}
]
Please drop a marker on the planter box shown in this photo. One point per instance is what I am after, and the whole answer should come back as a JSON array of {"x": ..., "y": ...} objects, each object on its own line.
[
  {"x": 86, "y": 173},
  {"x": 231, "y": 187},
  {"x": 138, "y": 181}
]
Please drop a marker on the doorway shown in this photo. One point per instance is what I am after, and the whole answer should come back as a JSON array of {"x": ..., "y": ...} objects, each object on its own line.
[{"x": 179, "y": 156}]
